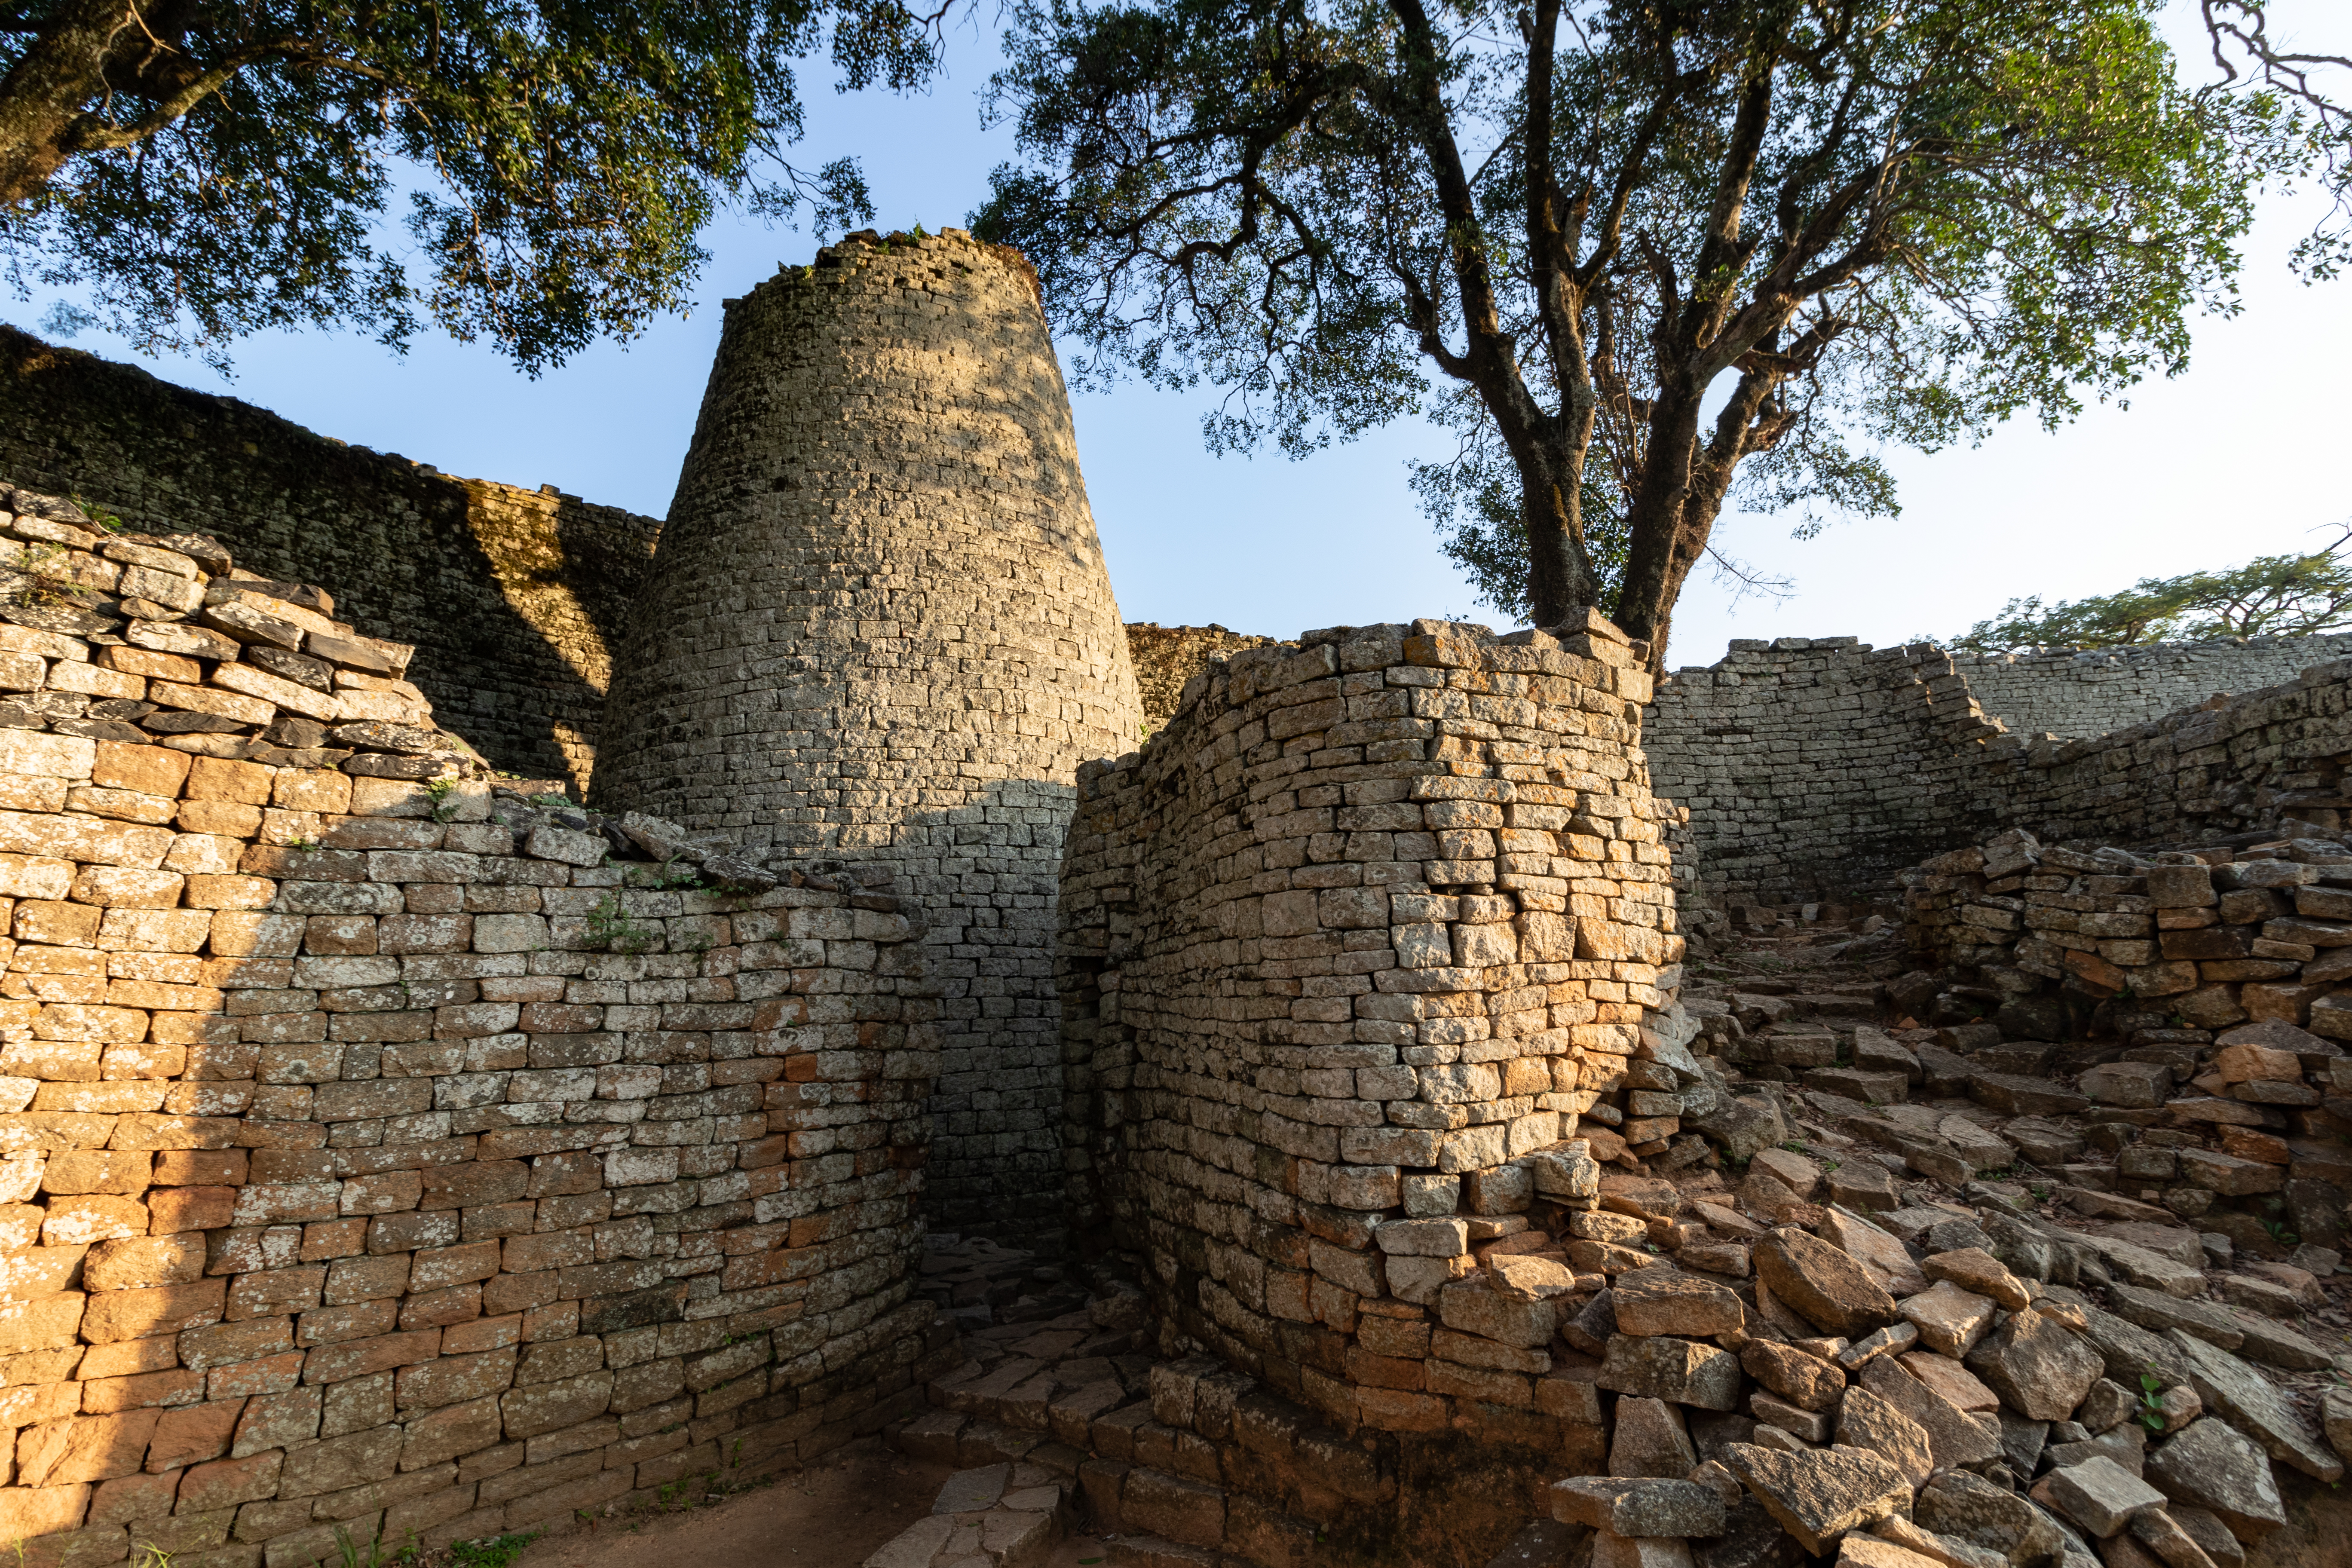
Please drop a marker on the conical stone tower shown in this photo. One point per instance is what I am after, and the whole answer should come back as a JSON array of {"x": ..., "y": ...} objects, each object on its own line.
[{"x": 879, "y": 629}]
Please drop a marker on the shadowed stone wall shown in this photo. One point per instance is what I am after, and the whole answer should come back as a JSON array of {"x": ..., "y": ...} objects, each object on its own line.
[
  {"x": 511, "y": 597},
  {"x": 380, "y": 1150}
]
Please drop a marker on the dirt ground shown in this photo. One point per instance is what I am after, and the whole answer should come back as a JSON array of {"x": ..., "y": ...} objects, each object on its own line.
[{"x": 833, "y": 1515}]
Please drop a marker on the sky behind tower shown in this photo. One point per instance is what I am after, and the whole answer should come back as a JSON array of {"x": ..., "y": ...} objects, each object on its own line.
[{"x": 2241, "y": 455}]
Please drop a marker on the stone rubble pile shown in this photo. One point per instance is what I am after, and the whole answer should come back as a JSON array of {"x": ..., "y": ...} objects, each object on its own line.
[
  {"x": 160, "y": 639},
  {"x": 2215, "y": 983}
]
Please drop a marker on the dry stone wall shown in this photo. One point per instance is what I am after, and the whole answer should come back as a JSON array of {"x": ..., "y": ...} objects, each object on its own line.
[
  {"x": 1818, "y": 768},
  {"x": 2076, "y": 695},
  {"x": 1813, "y": 766},
  {"x": 1365, "y": 958},
  {"x": 1165, "y": 657},
  {"x": 512, "y": 598},
  {"x": 880, "y": 626},
  {"x": 381, "y": 1154}
]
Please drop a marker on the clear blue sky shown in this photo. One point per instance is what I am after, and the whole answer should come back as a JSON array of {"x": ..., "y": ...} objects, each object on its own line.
[{"x": 2242, "y": 455}]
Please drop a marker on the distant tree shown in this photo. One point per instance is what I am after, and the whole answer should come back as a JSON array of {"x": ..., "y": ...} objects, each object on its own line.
[
  {"x": 2274, "y": 596},
  {"x": 206, "y": 169},
  {"x": 1664, "y": 251}
]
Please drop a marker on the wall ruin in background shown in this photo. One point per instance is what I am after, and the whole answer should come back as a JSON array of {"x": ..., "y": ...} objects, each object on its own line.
[
  {"x": 513, "y": 598},
  {"x": 1815, "y": 768}
]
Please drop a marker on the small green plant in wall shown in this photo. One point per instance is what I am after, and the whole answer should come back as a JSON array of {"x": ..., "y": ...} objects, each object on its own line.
[
  {"x": 609, "y": 924},
  {"x": 2150, "y": 1413}
]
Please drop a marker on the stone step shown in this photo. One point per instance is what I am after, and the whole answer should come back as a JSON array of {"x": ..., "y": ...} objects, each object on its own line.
[{"x": 1007, "y": 1515}]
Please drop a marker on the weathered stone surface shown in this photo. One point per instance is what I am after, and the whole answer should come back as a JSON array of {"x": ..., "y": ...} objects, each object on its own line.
[
  {"x": 1881, "y": 1256},
  {"x": 2276, "y": 1344},
  {"x": 1805, "y": 1380},
  {"x": 1893, "y": 1340},
  {"x": 1829, "y": 1289},
  {"x": 1681, "y": 1372},
  {"x": 2138, "y": 1266},
  {"x": 1649, "y": 1440},
  {"x": 1742, "y": 1125},
  {"x": 1950, "y": 1319},
  {"x": 2127, "y": 1084},
  {"x": 2129, "y": 1350},
  {"x": 1956, "y": 1436},
  {"x": 1867, "y": 1420},
  {"x": 2040, "y": 1367},
  {"x": 1528, "y": 1278},
  {"x": 1654, "y": 1301},
  {"x": 1610, "y": 1551},
  {"x": 1952, "y": 1380},
  {"x": 2098, "y": 1494},
  {"x": 1638, "y": 1507},
  {"x": 2243, "y": 1397},
  {"x": 1857, "y": 1551},
  {"x": 2157, "y": 1530},
  {"x": 1974, "y": 1510},
  {"x": 2210, "y": 1465},
  {"x": 968, "y": 1491},
  {"x": 1473, "y": 1306},
  {"x": 1972, "y": 1268},
  {"x": 1819, "y": 1497},
  {"x": 2155, "y": 1310},
  {"x": 2212, "y": 1537},
  {"x": 2022, "y": 1441},
  {"x": 2336, "y": 1420},
  {"x": 2107, "y": 1404},
  {"x": 2126, "y": 1444},
  {"x": 915, "y": 1546},
  {"x": 1948, "y": 1550},
  {"x": 1792, "y": 1170}
]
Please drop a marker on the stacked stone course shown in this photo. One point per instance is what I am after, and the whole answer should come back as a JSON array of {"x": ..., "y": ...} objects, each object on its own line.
[
  {"x": 1349, "y": 949},
  {"x": 879, "y": 626},
  {"x": 379, "y": 1154},
  {"x": 513, "y": 598},
  {"x": 1166, "y": 658},
  {"x": 1819, "y": 768},
  {"x": 2075, "y": 694}
]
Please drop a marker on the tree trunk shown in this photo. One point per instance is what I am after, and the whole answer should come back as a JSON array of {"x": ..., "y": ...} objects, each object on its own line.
[
  {"x": 43, "y": 95},
  {"x": 1654, "y": 518},
  {"x": 1560, "y": 575}
]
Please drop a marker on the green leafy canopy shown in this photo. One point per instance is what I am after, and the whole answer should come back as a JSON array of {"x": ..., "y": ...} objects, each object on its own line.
[
  {"x": 1643, "y": 256},
  {"x": 218, "y": 169}
]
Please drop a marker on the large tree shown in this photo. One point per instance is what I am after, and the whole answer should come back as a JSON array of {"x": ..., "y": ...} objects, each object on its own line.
[
  {"x": 204, "y": 169},
  {"x": 1636, "y": 251}
]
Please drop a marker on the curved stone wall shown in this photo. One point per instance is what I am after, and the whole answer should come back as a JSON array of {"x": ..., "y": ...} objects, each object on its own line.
[
  {"x": 384, "y": 1151},
  {"x": 1368, "y": 957},
  {"x": 1817, "y": 767},
  {"x": 879, "y": 624},
  {"x": 2075, "y": 694}
]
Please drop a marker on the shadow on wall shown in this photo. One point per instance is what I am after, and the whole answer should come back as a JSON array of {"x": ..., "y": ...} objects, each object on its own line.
[
  {"x": 984, "y": 880},
  {"x": 512, "y": 598}
]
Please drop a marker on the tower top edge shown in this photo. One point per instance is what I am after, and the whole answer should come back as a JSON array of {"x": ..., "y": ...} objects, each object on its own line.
[{"x": 861, "y": 246}]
